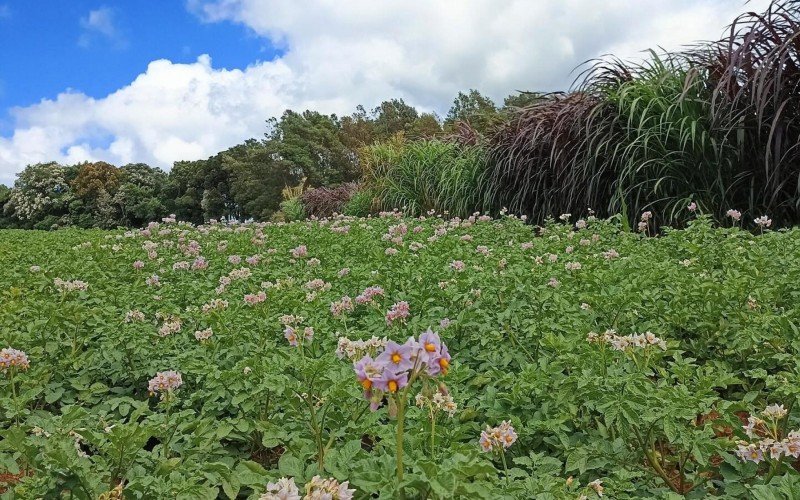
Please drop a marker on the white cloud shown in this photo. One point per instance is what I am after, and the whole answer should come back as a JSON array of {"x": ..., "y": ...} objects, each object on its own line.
[
  {"x": 99, "y": 24},
  {"x": 338, "y": 54}
]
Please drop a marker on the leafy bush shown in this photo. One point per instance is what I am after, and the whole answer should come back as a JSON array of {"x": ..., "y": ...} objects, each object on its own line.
[
  {"x": 754, "y": 72},
  {"x": 662, "y": 149},
  {"x": 548, "y": 158},
  {"x": 716, "y": 124}
]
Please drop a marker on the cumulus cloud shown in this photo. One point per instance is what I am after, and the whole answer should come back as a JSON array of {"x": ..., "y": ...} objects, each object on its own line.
[
  {"x": 168, "y": 113},
  {"x": 100, "y": 24},
  {"x": 340, "y": 54}
]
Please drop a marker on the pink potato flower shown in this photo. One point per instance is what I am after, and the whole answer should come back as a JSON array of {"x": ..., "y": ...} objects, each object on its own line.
[
  {"x": 399, "y": 311},
  {"x": 165, "y": 382},
  {"x": 13, "y": 358}
]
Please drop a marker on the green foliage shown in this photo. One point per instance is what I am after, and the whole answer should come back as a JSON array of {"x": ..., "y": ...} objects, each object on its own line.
[
  {"x": 393, "y": 117},
  {"x": 426, "y": 175},
  {"x": 41, "y": 194},
  {"x": 94, "y": 187},
  {"x": 427, "y": 126},
  {"x": 200, "y": 190},
  {"x": 360, "y": 204},
  {"x": 140, "y": 195},
  {"x": 647, "y": 422},
  {"x": 715, "y": 124},
  {"x": 310, "y": 143},
  {"x": 666, "y": 152},
  {"x": 521, "y": 100},
  {"x": 357, "y": 130},
  {"x": 257, "y": 178},
  {"x": 755, "y": 106},
  {"x": 292, "y": 210},
  {"x": 474, "y": 109}
]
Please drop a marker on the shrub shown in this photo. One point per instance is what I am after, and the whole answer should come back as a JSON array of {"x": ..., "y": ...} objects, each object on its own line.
[
  {"x": 662, "y": 148},
  {"x": 325, "y": 201},
  {"x": 754, "y": 72}
]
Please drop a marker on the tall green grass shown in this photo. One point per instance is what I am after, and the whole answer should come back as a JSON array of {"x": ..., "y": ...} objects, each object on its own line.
[
  {"x": 663, "y": 150},
  {"x": 426, "y": 175}
]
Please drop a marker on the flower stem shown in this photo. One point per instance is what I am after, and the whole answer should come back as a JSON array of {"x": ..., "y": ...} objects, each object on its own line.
[
  {"x": 505, "y": 467},
  {"x": 401, "y": 417},
  {"x": 16, "y": 401},
  {"x": 169, "y": 432},
  {"x": 773, "y": 470},
  {"x": 317, "y": 437},
  {"x": 433, "y": 435}
]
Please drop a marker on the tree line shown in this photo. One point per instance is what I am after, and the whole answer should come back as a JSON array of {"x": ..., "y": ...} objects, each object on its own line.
[{"x": 243, "y": 182}]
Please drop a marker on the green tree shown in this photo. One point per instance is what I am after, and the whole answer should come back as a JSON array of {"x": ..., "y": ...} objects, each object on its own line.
[
  {"x": 140, "y": 197},
  {"x": 184, "y": 191},
  {"x": 474, "y": 109},
  {"x": 200, "y": 190},
  {"x": 427, "y": 126},
  {"x": 94, "y": 187},
  {"x": 5, "y": 195},
  {"x": 311, "y": 144},
  {"x": 393, "y": 117},
  {"x": 357, "y": 130},
  {"x": 522, "y": 99},
  {"x": 257, "y": 176}
]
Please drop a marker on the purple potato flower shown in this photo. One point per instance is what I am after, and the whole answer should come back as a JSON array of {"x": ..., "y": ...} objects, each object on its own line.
[{"x": 396, "y": 357}]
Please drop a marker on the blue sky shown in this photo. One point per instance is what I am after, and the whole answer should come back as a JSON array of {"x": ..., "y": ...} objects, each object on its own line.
[
  {"x": 158, "y": 81},
  {"x": 49, "y": 46}
]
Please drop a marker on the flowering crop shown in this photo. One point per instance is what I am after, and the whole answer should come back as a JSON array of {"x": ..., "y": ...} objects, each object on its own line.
[
  {"x": 398, "y": 312},
  {"x": 70, "y": 286},
  {"x": 623, "y": 342},
  {"x": 11, "y": 358},
  {"x": 397, "y": 364},
  {"x": 498, "y": 438},
  {"x": 165, "y": 382},
  {"x": 304, "y": 351},
  {"x": 771, "y": 445}
]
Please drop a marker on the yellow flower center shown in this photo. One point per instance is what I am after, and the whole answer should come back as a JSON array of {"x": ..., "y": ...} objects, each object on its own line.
[
  {"x": 396, "y": 358},
  {"x": 430, "y": 347},
  {"x": 392, "y": 386},
  {"x": 444, "y": 364},
  {"x": 366, "y": 384}
]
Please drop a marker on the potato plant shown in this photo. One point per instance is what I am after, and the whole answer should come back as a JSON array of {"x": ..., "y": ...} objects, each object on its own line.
[{"x": 394, "y": 357}]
